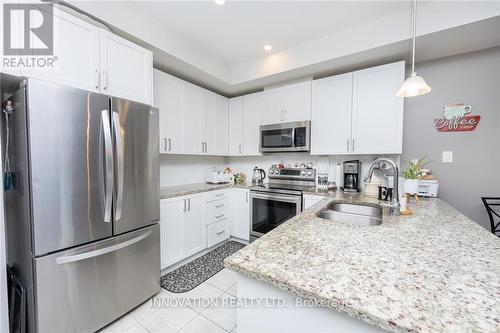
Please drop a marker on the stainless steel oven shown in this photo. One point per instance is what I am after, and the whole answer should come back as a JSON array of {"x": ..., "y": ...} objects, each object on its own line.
[
  {"x": 269, "y": 210},
  {"x": 275, "y": 203},
  {"x": 285, "y": 137}
]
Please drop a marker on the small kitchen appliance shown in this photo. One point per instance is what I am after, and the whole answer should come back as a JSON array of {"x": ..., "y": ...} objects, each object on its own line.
[
  {"x": 285, "y": 137},
  {"x": 258, "y": 176},
  {"x": 217, "y": 177},
  {"x": 281, "y": 199},
  {"x": 352, "y": 174},
  {"x": 428, "y": 188}
]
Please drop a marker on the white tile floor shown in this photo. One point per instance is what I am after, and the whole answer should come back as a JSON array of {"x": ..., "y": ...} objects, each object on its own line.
[{"x": 190, "y": 318}]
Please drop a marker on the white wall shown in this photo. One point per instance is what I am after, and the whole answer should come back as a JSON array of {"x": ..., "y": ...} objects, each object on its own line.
[{"x": 186, "y": 169}]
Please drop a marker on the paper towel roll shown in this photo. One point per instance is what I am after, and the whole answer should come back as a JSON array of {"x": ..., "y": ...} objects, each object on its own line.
[{"x": 338, "y": 175}]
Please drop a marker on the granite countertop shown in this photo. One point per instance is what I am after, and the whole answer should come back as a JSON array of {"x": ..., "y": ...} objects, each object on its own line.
[
  {"x": 436, "y": 271},
  {"x": 180, "y": 190}
]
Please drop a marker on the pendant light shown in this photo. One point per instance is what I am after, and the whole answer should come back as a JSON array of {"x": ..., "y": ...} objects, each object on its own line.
[{"x": 415, "y": 85}]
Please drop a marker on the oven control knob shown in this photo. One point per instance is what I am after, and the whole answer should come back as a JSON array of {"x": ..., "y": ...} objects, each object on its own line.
[
  {"x": 309, "y": 173},
  {"x": 303, "y": 172},
  {"x": 271, "y": 172}
]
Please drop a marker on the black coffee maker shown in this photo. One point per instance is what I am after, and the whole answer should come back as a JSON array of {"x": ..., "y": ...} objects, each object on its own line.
[{"x": 352, "y": 175}]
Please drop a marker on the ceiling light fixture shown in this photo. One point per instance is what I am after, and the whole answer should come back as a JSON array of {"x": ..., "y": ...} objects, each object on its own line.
[
  {"x": 220, "y": 2},
  {"x": 415, "y": 85},
  {"x": 268, "y": 47}
]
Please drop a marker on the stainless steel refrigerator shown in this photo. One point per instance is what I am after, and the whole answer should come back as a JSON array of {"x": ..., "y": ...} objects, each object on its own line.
[{"x": 82, "y": 216}]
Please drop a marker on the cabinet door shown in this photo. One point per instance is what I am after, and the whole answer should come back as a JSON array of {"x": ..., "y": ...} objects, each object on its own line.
[
  {"x": 252, "y": 117},
  {"x": 221, "y": 125},
  {"x": 172, "y": 224},
  {"x": 272, "y": 106},
  {"x": 377, "y": 111},
  {"x": 297, "y": 101},
  {"x": 235, "y": 126},
  {"x": 192, "y": 129},
  {"x": 208, "y": 121},
  {"x": 331, "y": 115},
  {"x": 76, "y": 46},
  {"x": 126, "y": 68},
  {"x": 195, "y": 226},
  {"x": 240, "y": 213}
]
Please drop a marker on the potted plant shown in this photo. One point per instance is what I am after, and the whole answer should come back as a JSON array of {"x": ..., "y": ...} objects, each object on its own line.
[{"x": 413, "y": 174}]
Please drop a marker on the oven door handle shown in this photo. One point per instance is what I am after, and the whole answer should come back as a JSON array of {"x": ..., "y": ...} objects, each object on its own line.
[{"x": 277, "y": 197}]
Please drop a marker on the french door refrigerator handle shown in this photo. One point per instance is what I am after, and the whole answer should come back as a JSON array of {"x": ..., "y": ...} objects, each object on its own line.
[
  {"x": 108, "y": 161},
  {"x": 119, "y": 165},
  {"x": 95, "y": 253}
]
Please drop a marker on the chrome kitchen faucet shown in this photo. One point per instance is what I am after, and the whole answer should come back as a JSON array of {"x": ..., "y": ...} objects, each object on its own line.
[{"x": 380, "y": 163}]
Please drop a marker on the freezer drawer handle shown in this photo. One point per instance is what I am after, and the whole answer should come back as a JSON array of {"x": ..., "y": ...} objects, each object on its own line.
[
  {"x": 108, "y": 152},
  {"x": 95, "y": 253}
]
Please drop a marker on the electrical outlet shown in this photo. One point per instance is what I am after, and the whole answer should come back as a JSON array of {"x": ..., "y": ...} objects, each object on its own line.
[{"x": 447, "y": 156}]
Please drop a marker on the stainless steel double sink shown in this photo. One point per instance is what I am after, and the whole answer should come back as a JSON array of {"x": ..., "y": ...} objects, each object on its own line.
[{"x": 357, "y": 214}]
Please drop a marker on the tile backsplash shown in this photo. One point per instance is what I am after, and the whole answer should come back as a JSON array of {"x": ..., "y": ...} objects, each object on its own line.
[{"x": 186, "y": 169}]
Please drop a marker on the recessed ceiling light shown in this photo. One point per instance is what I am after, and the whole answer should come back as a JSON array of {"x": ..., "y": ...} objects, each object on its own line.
[
  {"x": 268, "y": 47},
  {"x": 220, "y": 2}
]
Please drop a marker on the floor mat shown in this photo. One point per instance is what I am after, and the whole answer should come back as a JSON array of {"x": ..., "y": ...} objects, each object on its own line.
[{"x": 199, "y": 270}]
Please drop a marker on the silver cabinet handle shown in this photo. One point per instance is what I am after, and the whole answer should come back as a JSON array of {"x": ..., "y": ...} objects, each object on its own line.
[
  {"x": 105, "y": 80},
  {"x": 240, "y": 148},
  {"x": 206, "y": 147},
  {"x": 169, "y": 144},
  {"x": 185, "y": 205},
  {"x": 219, "y": 216},
  {"x": 285, "y": 115},
  {"x": 219, "y": 206},
  {"x": 219, "y": 195},
  {"x": 165, "y": 144},
  {"x": 247, "y": 196},
  {"x": 189, "y": 205},
  {"x": 119, "y": 164},
  {"x": 97, "y": 79},
  {"x": 220, "y": 232},
  {"x": 95, "y": 253},
  {"x": 108, "y": 161},
  {"x": 353, "y": 141},
  {"x": 348, "y": 144}
]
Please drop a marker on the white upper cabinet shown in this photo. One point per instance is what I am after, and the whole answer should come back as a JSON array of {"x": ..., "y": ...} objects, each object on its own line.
[
  {"x": 221, "y": 143},
  {"x": 94, "y": 59},
  {"x": 236, "y": 126},
  {"x": 288, "y": 103},
  {"x": 126, "y": 68},
  {"x": 359, "y": 112},
  {"x": 273, "y": 108},
  {"x": 192, "y": 123},
  {"x": 297, "y": 101},
  {"x": 252, "y": 117},
  {"x": 76, "y": 46},
  {"x": 377, "y": 119},
  {"x": 169, "y": 99},
  {"x": 331, "y": 115}
]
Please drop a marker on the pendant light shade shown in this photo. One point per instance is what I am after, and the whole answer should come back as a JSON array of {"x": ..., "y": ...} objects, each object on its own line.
[{"x": 415, "y": 85}]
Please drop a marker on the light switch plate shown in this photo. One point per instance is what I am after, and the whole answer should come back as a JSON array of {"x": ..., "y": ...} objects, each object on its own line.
[{"x": 447, "y": 157}]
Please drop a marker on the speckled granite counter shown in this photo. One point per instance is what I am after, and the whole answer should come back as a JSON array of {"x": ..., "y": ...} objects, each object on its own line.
[
  {"x": 180, "y": 190},
  {"x": 436, "y": 271}
]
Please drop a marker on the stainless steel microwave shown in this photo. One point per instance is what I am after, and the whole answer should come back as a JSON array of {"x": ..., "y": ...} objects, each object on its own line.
[{"x": 283, "y": 137}]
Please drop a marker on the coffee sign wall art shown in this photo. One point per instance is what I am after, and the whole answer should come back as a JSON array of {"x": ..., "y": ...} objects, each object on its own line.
[{"x": 457, "y": 118}]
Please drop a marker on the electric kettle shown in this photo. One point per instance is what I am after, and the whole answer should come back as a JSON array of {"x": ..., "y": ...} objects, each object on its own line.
[{"x": 258, "y": 176}]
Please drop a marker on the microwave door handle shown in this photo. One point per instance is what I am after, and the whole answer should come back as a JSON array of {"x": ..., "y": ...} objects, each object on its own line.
[{"x": 294, "y": 144}]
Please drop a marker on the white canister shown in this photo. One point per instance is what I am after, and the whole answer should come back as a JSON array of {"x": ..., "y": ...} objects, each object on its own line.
[{"x": 411, "y": 186}]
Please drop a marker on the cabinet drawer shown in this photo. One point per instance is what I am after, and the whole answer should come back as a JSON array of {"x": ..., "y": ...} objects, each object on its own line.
[
  {"x": 217, "y": 210},
  {"x": 216, "y": 195},
  {"x": 217, "y": 232}
]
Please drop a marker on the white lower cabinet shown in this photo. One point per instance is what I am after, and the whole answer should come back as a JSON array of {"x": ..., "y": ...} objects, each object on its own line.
[
  {"x": 182, "y": 228},
  {"x": 218, "y": 232},
  {"x": 240, "y": 213},
  {"x": 309, "y": 200}
]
